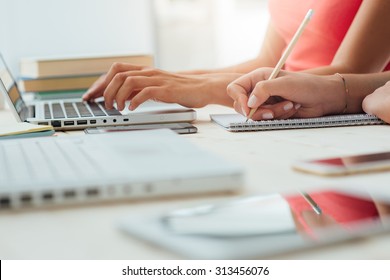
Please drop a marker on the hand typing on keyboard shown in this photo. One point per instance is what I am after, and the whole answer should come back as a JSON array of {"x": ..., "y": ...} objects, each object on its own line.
[{"x": 136, "y": 83}]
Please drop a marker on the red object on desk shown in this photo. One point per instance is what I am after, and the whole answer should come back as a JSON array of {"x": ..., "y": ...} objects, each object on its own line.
[{"x": 342, "y": 208}]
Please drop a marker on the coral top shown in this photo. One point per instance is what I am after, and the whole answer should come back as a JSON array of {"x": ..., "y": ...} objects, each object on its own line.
[{"x": 322, "y": 36}]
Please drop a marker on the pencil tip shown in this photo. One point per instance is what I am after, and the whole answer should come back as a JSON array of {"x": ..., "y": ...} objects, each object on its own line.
[{"x": 310, "y": 13}]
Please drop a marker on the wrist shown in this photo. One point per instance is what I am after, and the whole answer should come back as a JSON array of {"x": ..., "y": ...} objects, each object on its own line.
[
  {"x": 338, "y": 95},
  {"x": 214, "y": 88},
  {"x": 346, "y": 92}
]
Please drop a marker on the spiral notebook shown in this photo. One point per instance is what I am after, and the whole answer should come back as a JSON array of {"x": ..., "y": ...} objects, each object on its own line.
[{"x": 237, "y": 123}]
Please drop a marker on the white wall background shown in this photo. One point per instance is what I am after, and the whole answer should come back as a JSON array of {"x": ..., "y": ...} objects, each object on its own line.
[
  {"x": 74, "y": 27},
  {"x": 199, "y": 34},
  {"x": 183, "y": 34},
  {"x": 240, "y": 29}
]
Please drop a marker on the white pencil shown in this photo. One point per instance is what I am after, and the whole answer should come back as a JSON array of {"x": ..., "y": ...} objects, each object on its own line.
[{"x": 287, "y": 52}]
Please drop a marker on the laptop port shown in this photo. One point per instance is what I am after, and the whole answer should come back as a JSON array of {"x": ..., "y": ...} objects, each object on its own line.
[
  {"x": 5, "y": 202},
  {"x": 43, "y": 123},
  {"x": 125, "y": 120},
  {"x": 92, "y": 192},
  {"x": 92, "y": 121},
  {"x": 82, "y": 122},
  {"x": 69, "y": 194},
  {"x": 25, "y": 198},
  {"x": 104, "y": 121},
  {"x": 56, "y": 123},
  {"x": 68, "y": 122},
  {"x": 47, "y": 196}
]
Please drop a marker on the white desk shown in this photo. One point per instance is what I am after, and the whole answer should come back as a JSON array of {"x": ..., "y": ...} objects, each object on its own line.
[{"x": 89, "y": 232}]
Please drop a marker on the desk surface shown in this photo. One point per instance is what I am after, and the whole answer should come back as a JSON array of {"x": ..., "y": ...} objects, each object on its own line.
[{"x": 90, "y": 232}]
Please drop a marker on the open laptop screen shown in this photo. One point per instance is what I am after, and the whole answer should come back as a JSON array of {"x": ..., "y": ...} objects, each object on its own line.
[{"x": 11, "y": 89}]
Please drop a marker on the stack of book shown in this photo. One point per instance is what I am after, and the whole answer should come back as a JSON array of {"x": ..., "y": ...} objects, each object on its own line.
[{"x": 51, "y": 78}]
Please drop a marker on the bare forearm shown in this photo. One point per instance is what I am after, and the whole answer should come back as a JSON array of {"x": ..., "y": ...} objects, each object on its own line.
[
  {"x": 340, "y": 68},
  {"x": 361, "y": 85},
  {"x": 241, "y": 68},
  {"x": 214, "y": 87}
]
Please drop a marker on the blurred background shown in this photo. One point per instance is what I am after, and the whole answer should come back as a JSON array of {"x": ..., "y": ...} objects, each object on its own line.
[{"x": 181, "y": 34}]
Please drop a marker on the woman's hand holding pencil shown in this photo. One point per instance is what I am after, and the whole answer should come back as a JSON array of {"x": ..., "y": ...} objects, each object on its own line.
[{"x": 253, "y": 102}]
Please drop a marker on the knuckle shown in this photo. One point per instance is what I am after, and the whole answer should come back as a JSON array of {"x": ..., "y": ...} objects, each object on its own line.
[
  {"x": 116, "y": 66},
  {"x": 128, "y": 80},
  {"x": 152, "y": 72},
  {"x": 120, "y": 77},
  {"x": 261, "y": 88},
  {"x": 266, "y": 69},
  {"x": 231, "y": 90},
  {"x": 260, "y": 85}
]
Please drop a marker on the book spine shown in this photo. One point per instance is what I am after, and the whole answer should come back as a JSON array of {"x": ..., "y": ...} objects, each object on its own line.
[
  {"x": 52, "y": 95},
  {"x": 57, "y": 84},
  {"x": 82, "y": 66}
]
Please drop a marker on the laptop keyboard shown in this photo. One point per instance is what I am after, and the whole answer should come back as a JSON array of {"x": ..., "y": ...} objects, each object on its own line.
[
  {"x": 77, "y": 110},
  {"x": 35, "y": 161}
]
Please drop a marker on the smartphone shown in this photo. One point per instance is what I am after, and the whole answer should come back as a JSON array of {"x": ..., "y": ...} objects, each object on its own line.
[
  {"x": 266, "y": 225},
  {"x": 180, "y": 128},
  {"x": 346, "y": 165}
]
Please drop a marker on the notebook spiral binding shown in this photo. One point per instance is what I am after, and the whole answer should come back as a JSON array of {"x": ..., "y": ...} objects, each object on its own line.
[{"x": 330, "y": 121}]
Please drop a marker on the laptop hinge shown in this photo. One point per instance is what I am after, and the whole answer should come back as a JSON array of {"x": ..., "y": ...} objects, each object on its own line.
[{"x": 27, "y": 112}]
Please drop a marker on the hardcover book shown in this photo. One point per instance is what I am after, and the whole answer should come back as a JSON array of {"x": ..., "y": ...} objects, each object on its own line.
[{"x": 73, "y": 66}]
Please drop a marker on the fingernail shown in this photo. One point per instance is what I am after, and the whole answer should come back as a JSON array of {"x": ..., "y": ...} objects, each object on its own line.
[
  {"x": 268, "y": 116},
  {"x": 252, "y": 101},
  {"x": 288, "y": 106},
  {"x": 243, "y": 111},
  {"x": 297, "y": 106}
]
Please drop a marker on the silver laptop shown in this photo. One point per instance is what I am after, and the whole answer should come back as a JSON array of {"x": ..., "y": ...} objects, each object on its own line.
[
  {"x": 70, "y": 114},
  {"x": 89, "y": 168}
]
